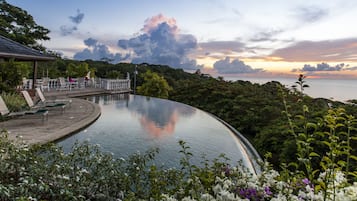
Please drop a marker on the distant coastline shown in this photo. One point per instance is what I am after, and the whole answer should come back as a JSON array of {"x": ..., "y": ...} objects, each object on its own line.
[{"x": 334, "y": 89}]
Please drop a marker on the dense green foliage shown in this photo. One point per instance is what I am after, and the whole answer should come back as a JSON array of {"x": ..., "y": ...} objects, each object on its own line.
[
  {"x": 308, "y": 140},
  {"x": 14, "y": 101},
  {"x": 20, "y": 26},
  {"x": 11, "y": 74},
  {"x": 86, "y": 173},
  {"x": 154, "y": 85},
  {"x": 254, "y": 110}
]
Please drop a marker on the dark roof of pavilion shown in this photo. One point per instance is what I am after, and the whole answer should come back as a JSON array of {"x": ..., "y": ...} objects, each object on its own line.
[{"x": 10, "y": 49}]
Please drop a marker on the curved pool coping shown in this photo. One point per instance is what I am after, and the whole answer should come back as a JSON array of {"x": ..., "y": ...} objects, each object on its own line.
[{"x": 254, "y": 156}]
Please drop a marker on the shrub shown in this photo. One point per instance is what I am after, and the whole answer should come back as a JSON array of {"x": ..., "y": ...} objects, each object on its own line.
[
  {"x": 14, "y": 101},
  {"x": 86, "y": 173}
]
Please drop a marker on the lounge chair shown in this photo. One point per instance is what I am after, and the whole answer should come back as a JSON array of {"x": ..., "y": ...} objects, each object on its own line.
[
  {"x": 4, "y": 111},
  {"x": 45, "y": 83},
  {"x": 44, "y": 101},
  {"x": 63, "y": 85},
  {"x": 32, "y": 105}
]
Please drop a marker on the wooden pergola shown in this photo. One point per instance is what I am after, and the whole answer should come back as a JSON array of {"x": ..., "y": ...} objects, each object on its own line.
[{"x": 10, "y": 49}]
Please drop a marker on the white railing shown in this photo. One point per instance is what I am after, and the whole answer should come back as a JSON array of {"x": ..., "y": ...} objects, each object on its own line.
[
  {"x": 78, "y": 83},
  {"x": 115, "y": 85}
]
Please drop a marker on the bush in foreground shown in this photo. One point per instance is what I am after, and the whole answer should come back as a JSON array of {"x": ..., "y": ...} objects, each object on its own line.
[{"x": 86, "y": 173}]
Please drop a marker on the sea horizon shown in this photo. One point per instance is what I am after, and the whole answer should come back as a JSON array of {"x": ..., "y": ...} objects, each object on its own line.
[{"x": 333, "y": 89}]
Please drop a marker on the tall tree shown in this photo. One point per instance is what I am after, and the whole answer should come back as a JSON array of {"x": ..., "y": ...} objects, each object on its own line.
[
  {"x": 20, "y": 26},
  {"x": 80, "y": 70},
  {"x": 154, "y": 85}
]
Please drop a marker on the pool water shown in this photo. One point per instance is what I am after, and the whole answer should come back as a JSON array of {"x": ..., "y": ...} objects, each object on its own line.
[{"x": 131, "y": 123}]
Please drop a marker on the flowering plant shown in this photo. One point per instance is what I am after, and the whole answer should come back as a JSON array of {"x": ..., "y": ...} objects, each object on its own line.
[{"x": 86, "y": 173}]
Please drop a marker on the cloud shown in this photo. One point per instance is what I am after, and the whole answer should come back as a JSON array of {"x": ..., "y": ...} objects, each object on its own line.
[
  {"x": 341, "y": 50},
  {"x": 67, "y": 30},
  {"x": 98, "y": 51},
  {"x": 323, "y": 67},
  {"x": 225, "y": 66},
  {"x": 90, "y": 42},
  {"x": 311, "y": 14},
  {"x": 351, "y": 68},
  {"x": 222, "y": 46},
  {"x": 266, "y": 36},
  {"x": 162, "y": 43},
  {"x": 76, "y": 20}
]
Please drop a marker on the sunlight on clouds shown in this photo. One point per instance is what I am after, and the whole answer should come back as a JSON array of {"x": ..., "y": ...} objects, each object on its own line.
[
  {"x": 274, "y": 66},
  {"x": 276, "y": 36}
]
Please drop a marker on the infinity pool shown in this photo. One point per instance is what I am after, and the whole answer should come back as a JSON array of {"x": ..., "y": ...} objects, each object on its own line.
[{"x": 129, "y": 124}]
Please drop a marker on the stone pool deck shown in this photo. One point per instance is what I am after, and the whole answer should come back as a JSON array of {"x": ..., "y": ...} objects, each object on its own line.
[{"x": 77, "y": 116}]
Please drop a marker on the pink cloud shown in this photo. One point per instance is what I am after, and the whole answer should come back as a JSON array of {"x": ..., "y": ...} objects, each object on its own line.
[
  {"x": 157, "y": 131},
  {"x": 342, "y": 50},
  {"x": 153, "y": 22}
]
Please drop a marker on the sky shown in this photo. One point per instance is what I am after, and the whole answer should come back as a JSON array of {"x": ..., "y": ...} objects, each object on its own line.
[{"x": 254, "y": 38}]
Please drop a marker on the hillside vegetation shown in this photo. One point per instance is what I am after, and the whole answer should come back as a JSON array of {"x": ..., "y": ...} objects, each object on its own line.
[
  {"x": 257, "y": 111},
  {"x": 309, "y": 141}
]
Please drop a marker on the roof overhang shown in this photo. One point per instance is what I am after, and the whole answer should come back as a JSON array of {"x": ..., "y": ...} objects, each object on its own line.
[
  {"x": 22, "y": 57},
  {"x": 10, "y": 49}
]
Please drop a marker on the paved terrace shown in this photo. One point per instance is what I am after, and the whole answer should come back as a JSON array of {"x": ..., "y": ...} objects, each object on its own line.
[{"x": 80, "y": 114}]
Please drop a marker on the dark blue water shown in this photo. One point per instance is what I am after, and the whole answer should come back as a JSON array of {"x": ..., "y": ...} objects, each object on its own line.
[
  {"x": 130, "y": 124},
  {"x": 334, "y": 89}
]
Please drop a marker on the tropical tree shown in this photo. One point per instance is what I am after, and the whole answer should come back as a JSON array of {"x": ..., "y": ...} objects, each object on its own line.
[
  {"x": 114, "y": 74},
  {"x": 154, "y": 85},
  {"x": 11, "y": 74},
  {"x": 20, "y": 26},
  {"x": 79, "y": 70}
]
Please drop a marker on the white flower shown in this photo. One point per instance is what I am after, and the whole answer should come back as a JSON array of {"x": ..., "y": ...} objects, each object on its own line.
[
  {"x": 216, "y": 189},
  {"x": 167, "y": 198},
  {"x": 227, "y": 183},
  {"x": 279, "y": 197},
  {"x": 189, "y": 180},
  {"x": 225, "y": 195},
  {"x": 188, "y": 199},
  {"x": 85, "y": 171},
  {"x": 348, "y": 193},
  {"x": 63, "y": 177},
  {"x": 207, "y": 197},
  {"x": 32, "y": 199},
  {"x": 339, "y": 178}
]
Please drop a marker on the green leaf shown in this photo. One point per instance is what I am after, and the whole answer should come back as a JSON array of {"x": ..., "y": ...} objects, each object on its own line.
[
  {"x": 327, "y": 159},
  {"x": 314, "y": 172},
  {"x": 354, "y": 174},
  {"x": 341, "y": 163},
  {"x": 353, "y": 157},
  {"x": 326, "y": 143},
  {"x": 306, "y": 108},
  {"x": 300, "y": 116},
  {"x": 311, "y": 125},
  {"x": 314, "y": 154},
  {"x": 293, "y": 164}
]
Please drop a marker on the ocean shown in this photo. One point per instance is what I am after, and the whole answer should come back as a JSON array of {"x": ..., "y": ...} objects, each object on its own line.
[{"x": 334, "y": 89}]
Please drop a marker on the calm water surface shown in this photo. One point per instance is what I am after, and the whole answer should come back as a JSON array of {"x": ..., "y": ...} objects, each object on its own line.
[
  {"x": 129, "y": 124},
  {"x": 335, "y": 89}
]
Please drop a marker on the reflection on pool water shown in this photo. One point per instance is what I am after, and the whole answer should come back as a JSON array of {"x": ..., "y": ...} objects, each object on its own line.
[{"x": 129, "y": 124}]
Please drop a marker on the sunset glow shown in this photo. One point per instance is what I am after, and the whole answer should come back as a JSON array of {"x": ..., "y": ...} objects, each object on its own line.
[{"x": 225, "y": 37}]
